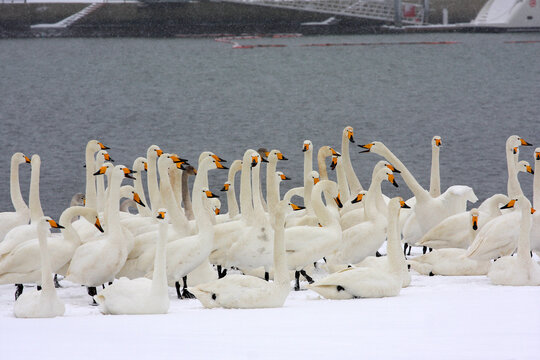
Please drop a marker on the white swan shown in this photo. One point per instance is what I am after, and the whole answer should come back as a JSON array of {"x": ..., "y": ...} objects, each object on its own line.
[
  {"x": 307, "y": 244},
  {"x": 152, "y": 154},
  {"x": 97, "y": 262},
  {"x": 272, "y": 184},
  {"x": 352, "y": 180},
  {"x": 512, "y": 151},
  {"x": 519, "y": 270},
  {"x": 232, "y": 204},
  {"x": 369, "y": 282},
  {"x": 435, "y": 175},
  {"x": 44, "y": 303},
  {"x": 535, "y": 228},
  {"x": 248, "y": 292},
  {"x": 499, "y": 236},
  {"x": 429, "y": 211},
  {"x": 457, "y": 231},
  {"x": 20, "y": 265},
  {"x": 141, "y": 295},
  {"x": 449, "y": 262},
  {"x": 21, "y": 215},
  {"x": 364, "y": 239},
  {"x": 22, "y": 233}
]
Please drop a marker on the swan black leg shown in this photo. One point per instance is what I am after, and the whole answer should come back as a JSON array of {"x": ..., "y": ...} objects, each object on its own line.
[
  {"x": 430, "y": 249},
  {"x": 266, "y": 276},
  {"x": 297, "y": 281},
  {"x": 38, "y": 288},
  {"x": 177, "y": 286},
  {"x": 405, "y": 249},
  {"x": 185, "y": 293},
  {"x": 92, "y": 291},
  {"x": 424, "y": 249},
  {"x": 308, "y": 278},
  {"x": 19, "y": 291},
  {"x": 56, "y": 283},
  {"x": 409, "y": 253},
  {"x": 378, "y": 254},
  {"x": 218, "y": 268}
]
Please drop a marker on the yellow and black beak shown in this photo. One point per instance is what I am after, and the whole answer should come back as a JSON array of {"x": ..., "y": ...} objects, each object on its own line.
[
  {"x": 217, "y": 158},
  {"x": 404, "y": 205},
  {"x": 210, "y": 194},
  {"x": 530, "y": 169},
  {"x": 137, "y": 199},
  {"x": 102, "y": 170},
  {"x": 515, "y": 150},
  {"x": 357, "y": 199},
  {"x": 97, "y": 224},
  {"x": 128, "y": 172},
  {"x": 316, "y": 180},
  {"x": 145, "y": 166},
  {"x": 280, "y": 156},
  {"x": 296, "y": 207},
  {"x": 225, "y": 187},
  {"x": 254, "y": 161},
  {"x": 366, "y": 146},
  {"x": 438, "y": 142},
  {"x": 392, "y": 180},
  {"x": 160, "y": 215},
  {"x": 54, "y": 224},
  {"x": 284, "y": 177},
  {"x": 217, "y": 211},
  {"x": 27, "y": 159},
  {"x": 180, "y": 165},
  {"x": 510, "y": 204},
  {"x": 333, "y": 164},
  {"x": 533, "y": 210},
  {"x": 159, "y": 152},
  {"x": 103, "y": 147},
  {"x": 305, "y": 148},
  {"x": 350, "y": 136},
  {"x": 475, "y": 222},
  {"x": 537, "y": 155},
  {"x": 338, "y": 201},
  {"x": 334, "y": 152},
  {"x": 108, "y": 157},
  {"x": 391, "y": 167},
  {"x": 524, "y": 143},
  {"x": 219, "y": 165},
  {"x": 177, "y": 159}
]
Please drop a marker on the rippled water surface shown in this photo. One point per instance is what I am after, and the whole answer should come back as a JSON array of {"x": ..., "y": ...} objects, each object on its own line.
[{"x": 190, "y": 95}]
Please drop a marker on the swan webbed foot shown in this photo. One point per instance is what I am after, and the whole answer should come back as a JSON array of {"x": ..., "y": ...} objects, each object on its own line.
[
  {"x": 56, "y": 283},
  {"x": 185, "y": 293},
  {"x": 431, "y": 273},
  {"x": 266, "y": 276},
  {"x": 308, "y": 278},
  {"x": 340, "y": 288},
  {"x": 92, "y": 291},
  {"x": 378, "y": 254},
  {"x": 19, "y": 291},
  {"x": 38, "y": 288},
  {"x": 221, "y": 273}
]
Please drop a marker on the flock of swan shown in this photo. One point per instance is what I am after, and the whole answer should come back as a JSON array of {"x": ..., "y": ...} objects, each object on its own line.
[{"x": 127, "y": 250}]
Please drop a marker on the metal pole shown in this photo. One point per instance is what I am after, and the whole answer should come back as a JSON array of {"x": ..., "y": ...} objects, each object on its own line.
[
  {"x": 426, "y": 11},
  {"x": 397, "y": 13}
]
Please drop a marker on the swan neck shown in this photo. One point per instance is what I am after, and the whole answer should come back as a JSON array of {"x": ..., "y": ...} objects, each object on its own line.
[
  {"x": 257, "y": 203},
  {"x": 232, "y": 205},
  {"x": 139, "y": 189},
  {"x": 513, "y": 187},
  {"x": 524, "y": 244},
  {"x": 536, "y": 185},
  {"x": 69, "y": 232},
  {"x": 246, "y": 204},
  {"x": 308, "y": 181},
  {"x": 152, "y": 179},
  {"x": 395, "y": 255},
  {"x": 202, "y": 216},
  {"x": 373, "y": 195},
  {"x": 113, "y": 215},
  {"x": 90, "y": 201},
  {"x": 281, "y": 273},
  {"x": 352, "y": 180},
  {"x": 188, "y": 207},
  {"x": 159, "y": 277},
  {"x": 175, "y": 178},
  {"x": 435, "y": 178},
  {"x": 272, "y": 186},
  {"x": 100, "y": 191},
  {"x": 343, "y": 185},
  {"x": 35, "y": 204},
  {"x": 15, "y": 187},
  {"x": 321, "y": 211},
  {"x": 178, "y": 218},
  {"x": 46, "y": 270}
]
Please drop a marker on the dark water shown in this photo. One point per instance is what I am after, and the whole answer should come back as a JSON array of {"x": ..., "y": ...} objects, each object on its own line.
[{"x": 190, "y": 95}]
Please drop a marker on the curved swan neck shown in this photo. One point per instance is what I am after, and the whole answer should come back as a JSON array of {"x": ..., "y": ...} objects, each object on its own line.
[
  {"x": 395, "y": 255},
  {"x": 321, "y": 211},
  {"x": 435, "y": 178},
  {"x": 308, "y": 182},
  {"x": 46, "y": 271},
  {"x": 35, "y": 204},
  {"x": 159, "y": 277},
  {"x": 138, "y": 166},
  {"x": 91, "y": 149},
  {"x": 352, "y": 180},
  {"x": 232, "y": 205},
  {"x": 178, "y": 219},
  {"x": 14, "y": 185},
  {"x": 70, "y": 234},
  {"x": 321, "y": 158},
  {"x": 419, "y": 192},
  {"x": 246, "y": 204},
  {"x": 188, "y": 206},
  {"x": 152, "y": 179}
]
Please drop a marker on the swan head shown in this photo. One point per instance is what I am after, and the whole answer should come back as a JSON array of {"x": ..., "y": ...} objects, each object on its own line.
[
  {"x": 334, "y": 163},
  {"x": 510, "y": 204},
  {"x": 524, "y": 166},
  {"x": 515, "y": 140},
  {"x": 154, "y": 152},
  {"x": 161, "y": 215},
  {"x": 19, "y": 158},
  {"x": 474, "y": 218},
  {"x": 276, "y": 154},
  {"x": 36, "y": 160},
  {"x": 190, "y": 170},
  {"x": 315, "y": 177},
  {"x": 436, "y": 141},
  {"x": 177, "y": 160},
  {"x": 48, "y": 221},
  {"x": 226, "y": 186},
  {"x": 537, "y": 154},
  {"x": 374, "y": 146},
  {"x": 349, "y": 133},
  {"x": 392, "y": 167},
  {"x": 358, "y": 198},
  {"x": 263, "y": 153},
  {"x": 308, "y": 145},
  {"x": 281, "y": 176},
  {"x": 206, "y": 154},
  {"x": 96, "y": 145},
  {"x": 126, "y": 171},
  {"x": 255, "y": 160},
  {"x": 386, "y": 173},
  {"x": 77, "y": 200},
  {"x": 104, "y": 155},
  {"x": 209, "y": 194}
]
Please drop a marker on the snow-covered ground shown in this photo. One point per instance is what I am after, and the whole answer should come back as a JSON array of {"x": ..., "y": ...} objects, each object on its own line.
[{"x": 435, "y": 318}]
